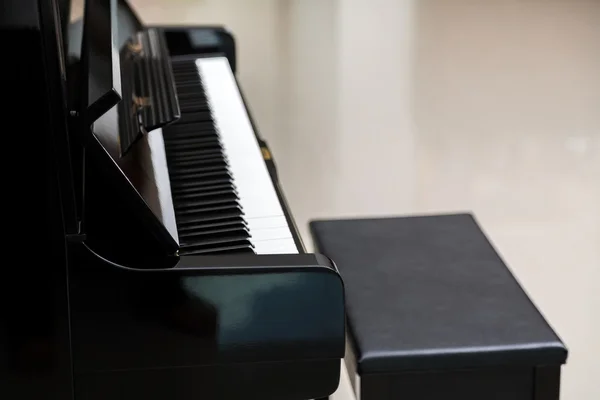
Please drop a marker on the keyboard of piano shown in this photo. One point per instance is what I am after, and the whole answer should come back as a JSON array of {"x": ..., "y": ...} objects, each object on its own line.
[{"x": 224, "y": 198}]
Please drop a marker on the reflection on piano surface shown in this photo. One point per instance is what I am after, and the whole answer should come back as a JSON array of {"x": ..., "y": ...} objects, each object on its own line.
[{"x": 184, "y": 275}]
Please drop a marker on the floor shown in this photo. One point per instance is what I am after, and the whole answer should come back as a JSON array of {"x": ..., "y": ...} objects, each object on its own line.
[{"x": 418, "y": 106}]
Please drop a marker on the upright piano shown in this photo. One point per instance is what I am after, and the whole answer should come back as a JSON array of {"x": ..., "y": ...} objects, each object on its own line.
[{"x": 162, "y": 260}]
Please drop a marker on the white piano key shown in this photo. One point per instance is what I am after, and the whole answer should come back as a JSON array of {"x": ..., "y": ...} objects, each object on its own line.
[
  {"x": 271, "y": 234},
  {"x": 256, "y": 192},
  {"x": 285, "y": 246},
  {"x": 258, "y": 223}
]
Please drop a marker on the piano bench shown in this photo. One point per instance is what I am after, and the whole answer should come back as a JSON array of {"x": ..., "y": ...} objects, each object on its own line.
[{"x": 434, "y": 313}]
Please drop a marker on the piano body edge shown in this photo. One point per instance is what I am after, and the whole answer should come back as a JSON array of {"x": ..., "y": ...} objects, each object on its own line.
[{"x": 275, "y": 330}]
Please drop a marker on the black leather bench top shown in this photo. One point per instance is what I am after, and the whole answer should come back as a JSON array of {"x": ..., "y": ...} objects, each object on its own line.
[{"x": 430, "y": 292}]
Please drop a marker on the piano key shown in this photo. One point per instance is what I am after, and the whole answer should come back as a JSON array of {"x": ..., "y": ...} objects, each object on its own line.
[
  {"x": 212, "y": 215},
  {"x": 192, "y": 117},
  {"x": 176, "y": 187},
  {"x": 200, "y": 147},
  {"x": 206, "y": 200},
  {"x": 207, "y": 210},
  {"x": 281, "y": 232},
  {"x": 182, "y": 159},
  {"x": 190, "y": 131},
  {"x": 214, "y": 148},
  {"x": 191, "y": 99},
  {"x": 218, "y": 240},
  {"x": 207, "y": 161},
  {"x": 183, "y": 143},
  {"x": 198, "y": 170},
  {"x": 206, "y": 194},
  {"x": 190, "y": 229},
  {"x": 266, "y": 222},
  {"x": 191, "y": 169},
  {"x": 256, "y": 191},
  {"x": 243, "y": 247},
  {"x": 193, "y": 191},
  {"x": 239, "y": 228},
  {"x": 279, "y": 246}
]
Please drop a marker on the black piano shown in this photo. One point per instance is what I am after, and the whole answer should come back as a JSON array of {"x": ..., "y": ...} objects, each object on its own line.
[{"x": 156, "y": 257}]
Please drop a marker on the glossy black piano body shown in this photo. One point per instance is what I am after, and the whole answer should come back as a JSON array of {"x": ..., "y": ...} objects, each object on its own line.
[{"x": 136, "y": 322}]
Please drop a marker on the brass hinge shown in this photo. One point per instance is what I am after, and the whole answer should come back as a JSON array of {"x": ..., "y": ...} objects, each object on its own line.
[{"x": 266, "y": 153}]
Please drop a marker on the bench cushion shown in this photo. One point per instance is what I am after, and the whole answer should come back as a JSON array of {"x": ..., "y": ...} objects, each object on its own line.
[{"x": 431, "y": 293}]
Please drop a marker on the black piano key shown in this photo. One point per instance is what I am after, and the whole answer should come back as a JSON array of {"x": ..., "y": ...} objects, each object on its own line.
[
  {"x": 193, "y": 117},
  {"x": 178, "y": 186},
  {"x": 190, "y": 97},
  {"x": 193, "y": 175},
  {"x": 209, "y": 216},
  {"x": 182, "y": 137},
  {"x": 208, "y": 210},
  {"x": 202, "y": 201},
  {"x": 182, "y": 149},
  {"x": 185, "y": 89},
  {"x": 199, "y": 234},
  {"x": 191, "y": 197},
  {"x": 189, "y": 130},
  {"x": 186, "y": 70},
  {"x": 189, "y": 146},
  {"x": 208, "y": 134},
  {"x": 199, "y": 177},
  {"x": 187, "y": 104},
  {"x": 197, "y": 95},
  {"x": 196, "y": 153},
  {"x": 208, "y": 131},
  {"x": 183, "y": 74},
  {"x": 228, "y": 235},
  {"x": 183, "y": 164},
  {"x": 226, "y": 246},
  {"x": 199, "y": 161},
  {"x": 189, "y": 81},
  {"x": 195, "y": 106},
  {"x": 199, "y": 227},
  {"x": 182, "y": 159},
  {"x": 202, "y": 148},
  {"x": 217, "y": 240},
  {"x": 190, "y": 100},
  {"x": 175, "y": 143},
  {"x": 199, "y": 170},
  {"x": 191, "y": 71},
  {"x": 237, "y": 248},
  {"x": 191, "y": 193},
  {"x": 197, "y": 241},
  {"x": 207, "y": 162},
  {"x": 214, "y": 215}
]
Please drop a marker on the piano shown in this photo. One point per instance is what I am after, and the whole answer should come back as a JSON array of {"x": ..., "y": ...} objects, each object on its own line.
[{"x": 168, "y": 265}]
